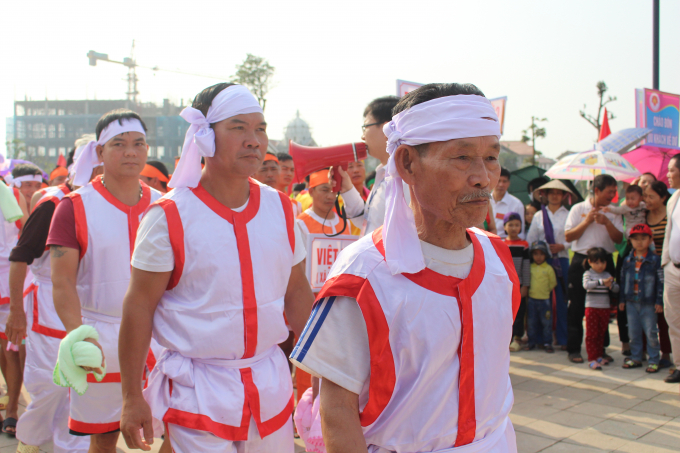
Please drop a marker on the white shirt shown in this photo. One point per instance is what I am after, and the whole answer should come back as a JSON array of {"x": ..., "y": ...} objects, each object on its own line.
[
  {"x": 509, "y": 203},
  {"x": 343, "y": 338},
  {"x": 674, "y": 239},
  {"x": 595, "y": 235},
  {"x": 153, "y": 252},
  {"x": 558, "y": 220}
]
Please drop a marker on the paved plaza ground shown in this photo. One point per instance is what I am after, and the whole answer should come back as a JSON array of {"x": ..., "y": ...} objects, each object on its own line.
[{"x": 563, "y": 407}]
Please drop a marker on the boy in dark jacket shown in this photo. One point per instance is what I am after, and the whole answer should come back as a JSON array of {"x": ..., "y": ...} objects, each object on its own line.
[{"x": 642, "y": 297}]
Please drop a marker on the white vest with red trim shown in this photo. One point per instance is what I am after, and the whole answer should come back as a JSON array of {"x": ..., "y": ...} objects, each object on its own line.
[
  {"x": 435, "y": 382},
  {"x": 106, "y": 230},
  {"x": 9, "y": 235},
  {"x": 221, "y": 318},
  {"x": 45, "y": 318}
]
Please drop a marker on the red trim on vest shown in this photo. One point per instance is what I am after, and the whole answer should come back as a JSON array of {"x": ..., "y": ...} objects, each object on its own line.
[
  {"x": 132, "y": 212},
  {"x": 109, "y": 378},
  {"x": 81, "y": 222},
  {"x": 36, "y": 327},
  {"x": 63, "y": 187},
  {"x": 3, "y": 336},
  {"x": 287, "y": 205},
  {"x": 16, "y": 195},
  {"x": 275, "y": 423},
  {"x": 503, "y": 252},
  {"x": 150, "y": 360},
  {"x": 92, "y": 428},
  {"x": 240, "y": 220},
  {"x": 4, "y": 301},
  {"x": 176, "y": 233},
  {"x": 383, "y": 374}
]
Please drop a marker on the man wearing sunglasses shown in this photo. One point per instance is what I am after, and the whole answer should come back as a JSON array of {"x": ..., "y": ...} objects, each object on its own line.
[{"x": 370, "y": 213}]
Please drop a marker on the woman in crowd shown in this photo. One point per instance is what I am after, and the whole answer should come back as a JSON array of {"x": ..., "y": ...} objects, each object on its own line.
[
  {"x": 548, "y": 225},
  {"x": 656, "y": 198}
]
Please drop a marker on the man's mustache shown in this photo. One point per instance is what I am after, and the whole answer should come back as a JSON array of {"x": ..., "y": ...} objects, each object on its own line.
[{"x": 474, "y": 196}]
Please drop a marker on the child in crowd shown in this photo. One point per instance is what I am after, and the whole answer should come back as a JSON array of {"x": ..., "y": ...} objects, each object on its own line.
[
  {"x": 529, "y": 211},
  {"x": 642, "y": 297},
  {"x": 597, "y": 283},
  {"x": 633, "y": 210},
  {"x": 512, "y": 224},
  {"x": 539, "y": 305}
]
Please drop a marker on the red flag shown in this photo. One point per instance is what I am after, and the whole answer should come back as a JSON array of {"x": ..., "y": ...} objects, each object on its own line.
[
  {"x": 604, "y": 129},
  {"x": 61, "y": 161}
]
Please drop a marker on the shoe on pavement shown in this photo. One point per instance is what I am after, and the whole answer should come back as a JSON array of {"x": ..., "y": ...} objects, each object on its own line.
[
  {"x": 674, "y": 378},
  {"x": 23, "y": 448},
  {"x": 515, "y": 346}
]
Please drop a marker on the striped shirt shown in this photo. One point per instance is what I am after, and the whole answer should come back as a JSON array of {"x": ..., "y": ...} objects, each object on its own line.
[
  {"x": 520, "y": 258},
  {"x": 658, "y": 233}
]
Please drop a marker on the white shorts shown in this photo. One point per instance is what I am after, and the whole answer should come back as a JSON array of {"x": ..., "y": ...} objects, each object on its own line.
[{"x": 186, "y": 440}]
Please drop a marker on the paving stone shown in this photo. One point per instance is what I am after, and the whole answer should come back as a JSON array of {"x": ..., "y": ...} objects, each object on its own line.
[
  {"x": 574, "y": 419},
  {"x": 531, "y": 410},
  {"x": 622, "y": 401},
  {"x": 550, "y": 430},
  {"x": 652, "y": 421},
  {"x": 554, "y": 400},
  {"x": 564, "y": 447},
  {"x": 523, "y": 395},
  {"x": 658, "y": 407},
  {"x": 663, "y": 437},
  {"x": 575, "y": 394},
  {"x": 621, "y": 429},
  {"x": 529, "y": 443},
  {"x": 591, "y": 437},
  {"x": 639, "y": 447},
  {"x": 539, "y": 386},
  {"x": 628, "y": 391},
  {"x": 596, "y": 410},
  {"x": 597, "y": 386}
]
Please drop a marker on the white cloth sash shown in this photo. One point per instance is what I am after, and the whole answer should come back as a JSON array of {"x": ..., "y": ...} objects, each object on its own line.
[{"x": 181, "y": 369}]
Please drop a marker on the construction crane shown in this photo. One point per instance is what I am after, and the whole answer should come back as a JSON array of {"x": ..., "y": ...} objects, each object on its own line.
[{"x": 132, "y": 75}]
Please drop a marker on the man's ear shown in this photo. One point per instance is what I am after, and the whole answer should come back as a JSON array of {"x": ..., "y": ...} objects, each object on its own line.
[
  {"x": 100, "y": 153},
  {"x": 406, "y": 158}
]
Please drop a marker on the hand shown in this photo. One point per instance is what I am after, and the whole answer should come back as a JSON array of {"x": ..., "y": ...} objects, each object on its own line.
[
  {"x": 524, "y": 290},
  {"x": 608, "y": 282},
  {"x": 136, "y": 415},
  {"x": 658, "y": 308},
  {"x": 601, "y": 218},
  {"x": 89, "y": 368},
  {"x": 605, "y": 209},
  {"x": 346, "y": 180},
  {"x": 16, "y": 326},
  {"x": 556, "y": 248},
  {"x": 622, "y": 307},
  {"x": 590, "y": 218}
]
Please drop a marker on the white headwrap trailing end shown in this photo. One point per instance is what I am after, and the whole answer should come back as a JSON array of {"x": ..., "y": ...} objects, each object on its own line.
[
  {"x": 200, "y": 138},
  {"x": 16, "y": 182},
  {"x": 438, "y": 120},
  {"x": 85, "y": 157}
]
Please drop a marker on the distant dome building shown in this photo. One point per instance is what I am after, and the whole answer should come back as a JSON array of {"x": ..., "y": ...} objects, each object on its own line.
[{"x": 297, "y": 130}]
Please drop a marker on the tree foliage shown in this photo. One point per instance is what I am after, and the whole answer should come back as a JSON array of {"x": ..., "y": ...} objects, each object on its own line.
[
  {"x": 533, "y": 132},
  {"x": 255, "y": 73},
  {"x": 594, "y": 120}
]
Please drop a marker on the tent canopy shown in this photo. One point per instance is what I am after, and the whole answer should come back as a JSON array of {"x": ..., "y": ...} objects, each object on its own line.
[{"x": 519, "y": 180}]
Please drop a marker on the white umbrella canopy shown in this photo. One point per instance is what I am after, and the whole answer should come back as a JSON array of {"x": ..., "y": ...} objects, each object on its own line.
[
  {"x": 623, "y": 140},
  {"x": 588, "y": 164}
]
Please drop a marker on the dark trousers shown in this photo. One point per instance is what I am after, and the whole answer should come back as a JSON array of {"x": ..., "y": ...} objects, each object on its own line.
[
  {"x": 518, "y": 325},
  {"x": 577, "y": 302},
  {"x": 621, "y": 316}
]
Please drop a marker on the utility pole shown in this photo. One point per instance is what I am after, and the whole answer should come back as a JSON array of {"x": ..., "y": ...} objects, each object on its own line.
[{"x": 655, "y": 40}]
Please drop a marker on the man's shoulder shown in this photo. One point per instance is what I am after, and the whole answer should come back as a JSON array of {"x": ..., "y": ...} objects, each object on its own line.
[{"x": 359, "y": 258}]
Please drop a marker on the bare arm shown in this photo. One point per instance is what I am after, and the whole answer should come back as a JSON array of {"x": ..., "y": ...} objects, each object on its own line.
[
  {"x": 614, "y": 232},
  {"x": 64, "y": 262},
  {"x": 340, "y": 419},
  {"x": 34, "y": 200},
  {"x": 16, "y": 322},
  {"x": 24, "y": 210},
  {"x": 298, "y": 299},
  {"x": 139, "y": 305}
]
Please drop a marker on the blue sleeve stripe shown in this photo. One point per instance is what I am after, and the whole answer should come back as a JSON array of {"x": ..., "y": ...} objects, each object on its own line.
[
  {"x": 300, "y": 354},
  {"x": 310, "y": 321}
]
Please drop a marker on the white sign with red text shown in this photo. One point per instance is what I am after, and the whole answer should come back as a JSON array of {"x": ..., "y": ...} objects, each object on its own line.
[
  {"x": 403, "y": 87},
  {"x": 322, "y": 252}
]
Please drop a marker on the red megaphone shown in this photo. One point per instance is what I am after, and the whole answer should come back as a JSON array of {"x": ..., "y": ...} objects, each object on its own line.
[{"x": 308, "y": 159}]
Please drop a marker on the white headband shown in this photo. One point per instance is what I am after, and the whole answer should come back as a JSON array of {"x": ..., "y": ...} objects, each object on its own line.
[
  {"x": 438, "y": 120},
  {"x": 85, "y": 158},
  {"x": 16, "y": 182},
  {"x": 200, "y": 138}
]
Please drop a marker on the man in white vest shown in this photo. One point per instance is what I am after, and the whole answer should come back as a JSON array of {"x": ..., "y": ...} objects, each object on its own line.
[
  {"x": 410, "y": 332},
  {"x": 217, "y": 261},
  {"x": 91, "y": 239}
]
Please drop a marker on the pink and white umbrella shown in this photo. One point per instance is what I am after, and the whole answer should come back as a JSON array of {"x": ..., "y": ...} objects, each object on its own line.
[{"x": 588, "y": 164}]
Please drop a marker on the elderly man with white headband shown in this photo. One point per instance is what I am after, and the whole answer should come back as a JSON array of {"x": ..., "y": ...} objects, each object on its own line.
[
  {"x": 91, "y": 240},
  {"x": 217, "y": 262},
  {"x": 410, "y": 331}
]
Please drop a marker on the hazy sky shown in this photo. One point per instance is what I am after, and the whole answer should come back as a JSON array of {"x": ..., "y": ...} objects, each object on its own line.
[{"x": 332, "y": 58}]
